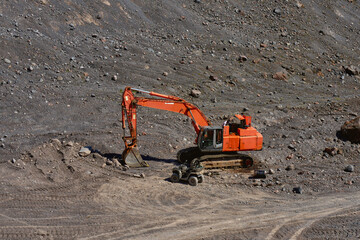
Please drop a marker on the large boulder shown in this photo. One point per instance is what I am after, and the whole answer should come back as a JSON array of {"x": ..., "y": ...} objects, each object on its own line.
[{"x": 351, "y": 130}]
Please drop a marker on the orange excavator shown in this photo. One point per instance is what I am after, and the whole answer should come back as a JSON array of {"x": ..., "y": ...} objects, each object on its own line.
[{"x": 217, "y": 147}]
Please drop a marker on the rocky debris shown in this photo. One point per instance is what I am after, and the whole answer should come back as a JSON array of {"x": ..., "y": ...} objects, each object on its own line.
[
  {"x": 277, "y": 11},
  {"x": 242, "y": 58},
  {"x": 116, "y": 162},
  {"x": 114, "y": 78},
  {"x": 332, "y": 151},
  {"x": 56, "y": 142},
  {"x": 298, "y": 190},
  {"x": 351, "y": 130},
  {"x": 213, "y": 78},
  {"x": 7, "y": 61},
  {"x": 84, "y": 152},
  {"x": 141, "y": 175},
  {"x": 349, "y": 168},
  {"x": 352, "y": 70},
  {"x": 195, "y": 93},
  {"x": 280, "y": 76},
  {"x": 271, "y": 171}
]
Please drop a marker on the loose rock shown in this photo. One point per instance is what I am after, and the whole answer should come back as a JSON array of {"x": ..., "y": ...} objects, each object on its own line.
[
  {"x": 349, "y": 168},
  {"x": 352, "y": 70},
  {"x": 351, "y": 130},
  {"x": 84, "y": 152},
  {"x": 297, "y": 190},
  {"x": 280, "y": 76},
  {"x": 242, "y": 58},
  {"x": 290, "y": 167},
  {"x": 195, "y": 93}
]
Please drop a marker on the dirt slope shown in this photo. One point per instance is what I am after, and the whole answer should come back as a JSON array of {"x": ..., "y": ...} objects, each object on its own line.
[{"x": 292, "y": 65}]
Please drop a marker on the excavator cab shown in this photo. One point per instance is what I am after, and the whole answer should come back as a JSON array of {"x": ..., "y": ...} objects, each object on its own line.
[{"x": 210, "y": 139}]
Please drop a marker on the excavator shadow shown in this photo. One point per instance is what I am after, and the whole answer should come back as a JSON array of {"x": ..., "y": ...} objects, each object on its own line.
[
  {"x": 154, "y": 159},
  {"x": 147, "y": 158}
]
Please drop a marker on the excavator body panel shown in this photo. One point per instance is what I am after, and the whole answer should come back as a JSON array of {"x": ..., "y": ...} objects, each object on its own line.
[{"x": 229, "y": 138}]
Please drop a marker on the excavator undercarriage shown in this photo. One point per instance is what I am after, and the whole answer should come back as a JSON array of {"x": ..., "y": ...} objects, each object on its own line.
[{"x": 211, "y": 160}]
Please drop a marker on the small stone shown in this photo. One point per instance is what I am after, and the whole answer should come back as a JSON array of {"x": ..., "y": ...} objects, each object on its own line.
[
  {"x": 351, "y": 130},
  {"x": 92, "y": 95},
  {"x": 290, "y": 167},
  {"x": 114, "y": 78},
  {"x": 297, "y": 190},
  {"x": 197, "y": 1},
  {"x": 352, "y": 70},
  {"x": 84, "y": 152},
  {"x": 277, "y": 11},
  {"x": 331, "y": 151},
  {"x": 56, "y": 141},
  {"x": 70, "y": 144},
  {"x": 280, "y": 76},
  {"x": 30, "y": 68},
  {"x": 165, "y": 74},
  {"x": 292, "y": 147},
  {"x": 349, "y": 168},
  {"x": 213, "y": 78},
  {"x": 142, "y": 175},
  {"x": 108, "y": 162},
  {"x": 116, "y": 162},
  {"x": 242, "y": 58},
  {"x": 60, "y": 78},
  {"x": 257, "y": 183},
  {"x": 13, "y": 160},
  {"x": 7, "y": 61},
  {"x": 195, "y": 93},
  {"x": 271, "y": 171}
]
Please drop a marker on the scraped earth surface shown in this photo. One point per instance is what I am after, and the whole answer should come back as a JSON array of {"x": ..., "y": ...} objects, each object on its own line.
[{"x": 292, "y": 65}]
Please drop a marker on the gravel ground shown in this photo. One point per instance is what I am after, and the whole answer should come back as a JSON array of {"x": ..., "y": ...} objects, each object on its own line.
[{"x": 292, "y": 65}]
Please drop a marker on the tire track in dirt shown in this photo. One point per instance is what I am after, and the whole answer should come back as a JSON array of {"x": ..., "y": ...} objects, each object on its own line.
[{"x": 200, "y": 218}]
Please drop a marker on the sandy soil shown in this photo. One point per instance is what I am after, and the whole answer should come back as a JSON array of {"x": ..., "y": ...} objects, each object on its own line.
[{"x": 62, "y": 68}]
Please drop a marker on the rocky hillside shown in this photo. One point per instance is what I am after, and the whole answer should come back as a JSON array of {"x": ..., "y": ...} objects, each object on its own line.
[{"x": 63, "y": 63}]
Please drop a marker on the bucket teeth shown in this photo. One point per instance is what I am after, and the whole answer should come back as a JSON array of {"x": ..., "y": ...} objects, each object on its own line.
[{"x": 134, "y": 159}]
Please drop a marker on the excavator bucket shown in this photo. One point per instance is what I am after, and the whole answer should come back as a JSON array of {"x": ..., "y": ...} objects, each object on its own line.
[{"x": 132, "y": 158}]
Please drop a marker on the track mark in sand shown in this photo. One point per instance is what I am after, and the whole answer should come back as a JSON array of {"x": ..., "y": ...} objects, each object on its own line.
[
  {"x": 274, "y": 231},
  {"x": 15, "y": 219},
  {"x": 300, "y": 230}
]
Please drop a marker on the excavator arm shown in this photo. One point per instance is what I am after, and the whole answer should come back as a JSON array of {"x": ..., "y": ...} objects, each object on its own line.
[{"x": 131, "y": 154}]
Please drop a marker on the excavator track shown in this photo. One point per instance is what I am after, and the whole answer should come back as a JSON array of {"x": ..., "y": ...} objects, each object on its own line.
[{"x": 228, "y": 160}]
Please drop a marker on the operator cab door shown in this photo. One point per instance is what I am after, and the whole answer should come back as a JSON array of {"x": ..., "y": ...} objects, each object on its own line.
[{"x": 211, "y": 139}]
